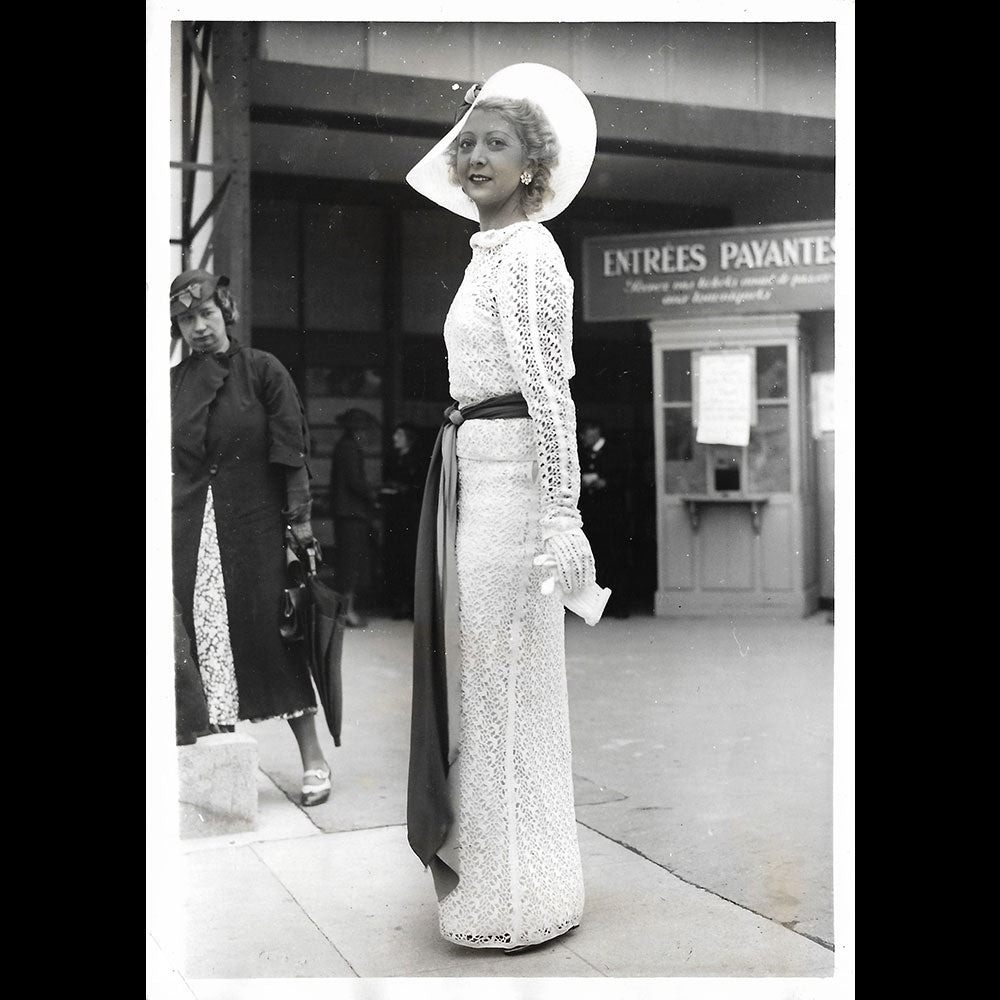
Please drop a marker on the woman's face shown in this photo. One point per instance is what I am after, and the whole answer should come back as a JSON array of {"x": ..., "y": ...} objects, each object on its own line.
[
  {"x": 489, "y": 162},
  {"x": 399, "y": 439},
  {"x": 203, "y": 328}
]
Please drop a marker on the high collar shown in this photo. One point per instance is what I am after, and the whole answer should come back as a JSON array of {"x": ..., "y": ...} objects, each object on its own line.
[
  {"x": 222, "y": 357},
  {"x": 195, "y": 383},
  {"x": 494, "y": 237}
]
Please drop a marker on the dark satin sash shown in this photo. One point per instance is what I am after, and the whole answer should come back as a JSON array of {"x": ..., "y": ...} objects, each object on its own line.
[{"x": 436, "y": 666}]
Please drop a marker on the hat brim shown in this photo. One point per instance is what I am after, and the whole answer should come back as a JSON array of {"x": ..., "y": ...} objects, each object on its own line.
[{"x": 568, "y": 112}]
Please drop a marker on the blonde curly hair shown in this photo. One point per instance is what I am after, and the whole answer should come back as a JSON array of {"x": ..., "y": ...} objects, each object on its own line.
[{"x": 538, "y": 140}]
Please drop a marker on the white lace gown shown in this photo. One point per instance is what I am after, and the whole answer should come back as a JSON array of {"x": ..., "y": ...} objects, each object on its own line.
[{"x": 515, "y": 843}]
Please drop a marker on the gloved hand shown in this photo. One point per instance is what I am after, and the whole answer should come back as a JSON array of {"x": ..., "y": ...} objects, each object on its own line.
[
  {"x": 574, "y": 560},
  {"x": 302, "y": 535}
]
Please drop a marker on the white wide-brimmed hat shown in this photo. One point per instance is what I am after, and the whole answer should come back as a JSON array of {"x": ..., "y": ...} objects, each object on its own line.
[{"x": 569, "y": 113}]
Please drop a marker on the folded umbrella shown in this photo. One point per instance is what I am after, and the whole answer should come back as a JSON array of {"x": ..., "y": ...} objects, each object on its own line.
[{"x": 325, "y": 614}]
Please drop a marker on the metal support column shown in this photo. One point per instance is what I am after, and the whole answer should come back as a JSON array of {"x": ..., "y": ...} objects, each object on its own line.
[{"x": 231, "y": 145}]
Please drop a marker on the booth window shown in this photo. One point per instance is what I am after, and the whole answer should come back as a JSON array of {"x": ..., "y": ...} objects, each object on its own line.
[
  {"x": 764, "y": 466},
  {"x": 769, "y": 467},
  {"x": 727, "y": 468},
  {"x": 684, "y": 469}
]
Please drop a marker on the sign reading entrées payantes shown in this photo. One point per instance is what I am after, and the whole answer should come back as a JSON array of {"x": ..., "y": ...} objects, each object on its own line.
[{"x": 703, "y": 272}]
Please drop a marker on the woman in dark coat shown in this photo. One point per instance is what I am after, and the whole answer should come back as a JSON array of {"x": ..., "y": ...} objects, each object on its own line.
[
  {"x": 240, "y": 481},
  {"x": 352, "y": 498}
]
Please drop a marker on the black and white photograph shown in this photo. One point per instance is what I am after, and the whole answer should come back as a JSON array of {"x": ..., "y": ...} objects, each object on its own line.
[{"x": 499, "y": 501}]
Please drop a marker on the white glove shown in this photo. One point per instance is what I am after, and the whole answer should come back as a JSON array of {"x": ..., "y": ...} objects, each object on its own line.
[
  {"x": 574, "y": 560},
  {"x": 570, "y": 562}
]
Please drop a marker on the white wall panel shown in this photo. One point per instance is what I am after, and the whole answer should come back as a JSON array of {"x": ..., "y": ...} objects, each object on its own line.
[
  {"x": 677, "y": 548},
  {"x": 620, "y": 60},
  {"x": 781, "y": 67},
  {"x": 437, "y": 51},
  {"x": 779, "y": 552},
  {"x": 798, "y": 68},
  {"x": 715, "y": 64},
  {"x": 342, "y": 44},
  {"x": 727, "y": 550},
  {"x": 499, "y": 45}
]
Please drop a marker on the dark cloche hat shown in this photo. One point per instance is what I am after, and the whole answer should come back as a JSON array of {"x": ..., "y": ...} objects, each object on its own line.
[
  {"x": 356, "y": 419},
  {"x": 192, "y": 288}
]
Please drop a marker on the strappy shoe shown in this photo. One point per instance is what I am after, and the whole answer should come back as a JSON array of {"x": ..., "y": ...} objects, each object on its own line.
[{"x": 317, "y": 793}]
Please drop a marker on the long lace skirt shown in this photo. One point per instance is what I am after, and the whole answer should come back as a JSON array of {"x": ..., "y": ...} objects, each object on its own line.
[{"x": 518, "y": 857}]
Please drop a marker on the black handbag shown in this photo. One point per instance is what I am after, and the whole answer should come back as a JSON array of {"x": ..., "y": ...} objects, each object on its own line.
[{"x": 294, "y": 599}]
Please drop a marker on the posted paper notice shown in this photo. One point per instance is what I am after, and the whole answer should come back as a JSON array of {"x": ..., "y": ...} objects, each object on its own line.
[{"x": 725, "y": 397}]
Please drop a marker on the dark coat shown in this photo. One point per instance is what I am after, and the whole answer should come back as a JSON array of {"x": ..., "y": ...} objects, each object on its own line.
[
  {"x": 352, "y": 500},
  {"x": 405, "y": 476},
  {"x": 191, "y": 709},
  {"x": 403, "y": 491},
  {"x": 238, "y": 425},
  {"x": 350, "y": 493},
  {"x": 604, "y": 508},
  {"x": 607, "y": 519}
]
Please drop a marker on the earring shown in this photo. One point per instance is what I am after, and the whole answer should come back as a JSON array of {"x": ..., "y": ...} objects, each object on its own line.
[{"x": 525, "y": 177}]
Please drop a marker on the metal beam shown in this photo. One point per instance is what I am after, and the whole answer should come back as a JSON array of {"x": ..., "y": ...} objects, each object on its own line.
[
  {"x": 218, "y": 168},
  {"x": 231, "y": 145},
  {"x": 193, "y": 116},
  {"x": 321, "y": 97}
]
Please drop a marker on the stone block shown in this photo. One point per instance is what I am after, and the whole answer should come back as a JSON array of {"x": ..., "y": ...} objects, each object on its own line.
[{"x": 218, "y": 785}]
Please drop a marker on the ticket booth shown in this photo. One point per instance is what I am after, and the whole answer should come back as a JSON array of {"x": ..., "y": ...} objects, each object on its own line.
[
  {"x": 735, "y": 497},
  {"x": 733, "y": 319}
]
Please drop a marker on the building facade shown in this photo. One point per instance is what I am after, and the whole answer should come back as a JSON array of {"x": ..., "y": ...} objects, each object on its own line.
[{"x": 290, "y": 142}]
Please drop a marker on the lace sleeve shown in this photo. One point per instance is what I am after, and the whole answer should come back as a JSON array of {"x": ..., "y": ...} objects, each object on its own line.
[{"x": 535, "y": 302}]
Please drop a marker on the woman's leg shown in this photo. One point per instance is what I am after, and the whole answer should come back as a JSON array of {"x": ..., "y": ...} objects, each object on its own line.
[
  {"x": 304, "y": 728},
  {"x": 351, "y": 615},
  {"x": 316, "y": 771}
]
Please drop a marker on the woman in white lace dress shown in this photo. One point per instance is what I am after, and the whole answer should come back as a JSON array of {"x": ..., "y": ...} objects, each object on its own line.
[{"x": 490, "y": 802}]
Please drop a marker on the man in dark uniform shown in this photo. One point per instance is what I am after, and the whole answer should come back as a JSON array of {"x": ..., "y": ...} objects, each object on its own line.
[{"x": 606, "y": 510}]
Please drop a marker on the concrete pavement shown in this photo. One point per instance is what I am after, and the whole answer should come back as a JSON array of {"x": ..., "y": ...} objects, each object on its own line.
[{"x": 703, "y": 763}]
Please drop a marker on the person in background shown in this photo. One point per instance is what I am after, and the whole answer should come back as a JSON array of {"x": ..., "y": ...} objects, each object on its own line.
[
  {"x": 490, "y": 792},
  {"x": 399, "y": 498},
  {"x": 239, "y": 446},
  {"x": 604, "y": 505},
  {"x": 352, "y": 500}
]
